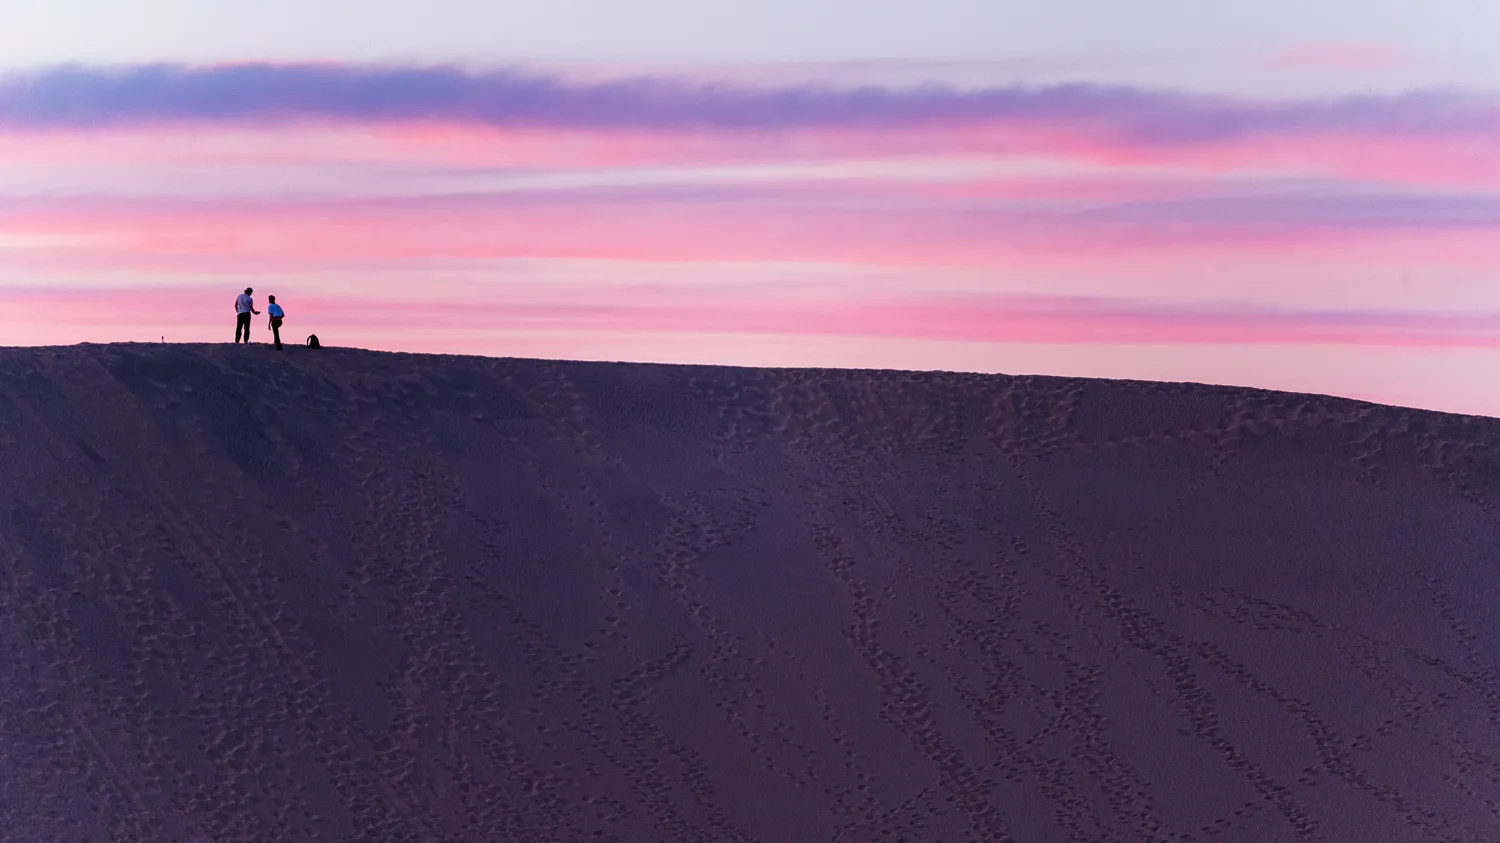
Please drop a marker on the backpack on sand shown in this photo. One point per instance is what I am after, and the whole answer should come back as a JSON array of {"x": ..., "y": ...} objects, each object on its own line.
[{"x": 312, "y": 341}]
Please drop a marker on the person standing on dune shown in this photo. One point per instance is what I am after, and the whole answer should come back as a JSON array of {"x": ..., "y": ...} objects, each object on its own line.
[
  {"x": 244, "y": 308},
  {"x": 276, "y": 314}
]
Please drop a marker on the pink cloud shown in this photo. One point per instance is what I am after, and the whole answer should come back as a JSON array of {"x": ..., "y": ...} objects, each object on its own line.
[
  {"x": 409, "y": 157},
  {"x": 1339, "y": 57},
  {"x": 865, "y": 226}
]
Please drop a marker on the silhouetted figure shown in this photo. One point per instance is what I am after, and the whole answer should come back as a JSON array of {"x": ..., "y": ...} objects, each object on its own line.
[
  {"x": 244, "y": 308},
  {"x": 276, "y": 314}
]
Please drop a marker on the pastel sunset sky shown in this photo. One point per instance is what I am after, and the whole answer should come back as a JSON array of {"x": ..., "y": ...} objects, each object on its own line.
[{"x": 1294, "y": 195}]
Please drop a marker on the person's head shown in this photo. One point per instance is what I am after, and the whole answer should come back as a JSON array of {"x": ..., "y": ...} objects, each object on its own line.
[
  {"x": 248, "y": 291},
  {"x": 271, "y": 299}
]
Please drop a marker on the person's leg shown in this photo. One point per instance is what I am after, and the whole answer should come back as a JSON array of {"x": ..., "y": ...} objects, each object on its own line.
[
  {"x": 276, "y": 333},
  {"x": 239, "y": 326}
]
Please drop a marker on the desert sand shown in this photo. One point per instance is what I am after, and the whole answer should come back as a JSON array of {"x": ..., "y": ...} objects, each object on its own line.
[{"x": 347, "y": 595}]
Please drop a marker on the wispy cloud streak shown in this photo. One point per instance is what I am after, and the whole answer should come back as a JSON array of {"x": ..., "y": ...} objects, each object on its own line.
[
  {"x": 1339, "y": 56},
  {"x": 82, "y": 96}
]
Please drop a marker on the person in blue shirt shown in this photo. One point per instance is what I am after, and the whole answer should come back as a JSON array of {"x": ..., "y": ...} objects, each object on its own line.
[{"x": 276, "y": 313}]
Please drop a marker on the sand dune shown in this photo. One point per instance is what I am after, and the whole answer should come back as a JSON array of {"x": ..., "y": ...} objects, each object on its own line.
[{"x": 346, "y": 595}]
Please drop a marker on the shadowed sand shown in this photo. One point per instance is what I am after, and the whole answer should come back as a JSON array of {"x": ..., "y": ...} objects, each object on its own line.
[{"x": 347, "y": 595}]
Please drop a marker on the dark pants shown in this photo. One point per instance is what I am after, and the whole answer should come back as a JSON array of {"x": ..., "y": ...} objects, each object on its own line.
[
  {"x": 242, "y": 326},
  {"x": 276, "y": 331}
]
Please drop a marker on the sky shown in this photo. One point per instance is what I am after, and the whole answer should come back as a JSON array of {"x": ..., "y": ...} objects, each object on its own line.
[{"x": 1292, "y": 195}]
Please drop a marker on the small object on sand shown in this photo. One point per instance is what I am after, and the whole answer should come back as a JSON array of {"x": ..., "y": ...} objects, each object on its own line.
[{"x": 312, "y": 341}]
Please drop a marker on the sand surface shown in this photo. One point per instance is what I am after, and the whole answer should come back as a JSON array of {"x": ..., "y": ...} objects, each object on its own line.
[{"x": 346, "y": 595}]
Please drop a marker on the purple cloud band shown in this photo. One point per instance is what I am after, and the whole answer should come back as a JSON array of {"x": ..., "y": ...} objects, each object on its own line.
[{"x": 83, "y": 96}]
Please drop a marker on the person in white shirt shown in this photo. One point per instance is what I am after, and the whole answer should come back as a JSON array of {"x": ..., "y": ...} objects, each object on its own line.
[
  {"x": 276, "y": 314},
  {"x": 244, "y": 308}
]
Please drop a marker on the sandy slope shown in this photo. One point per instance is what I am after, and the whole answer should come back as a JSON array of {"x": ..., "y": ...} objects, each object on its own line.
[{"x": 346, "y": 595}]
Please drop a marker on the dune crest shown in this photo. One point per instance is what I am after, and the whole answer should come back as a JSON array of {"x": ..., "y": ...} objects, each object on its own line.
[{"x": 348, "y": 595}]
